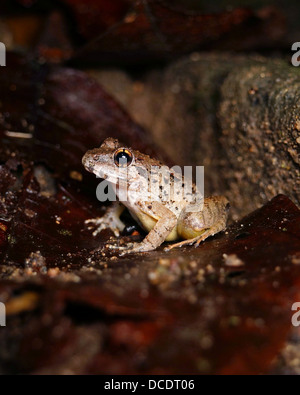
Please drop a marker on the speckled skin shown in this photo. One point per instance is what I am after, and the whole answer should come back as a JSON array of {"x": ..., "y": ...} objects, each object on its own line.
[{"x": 164, "y": 220}]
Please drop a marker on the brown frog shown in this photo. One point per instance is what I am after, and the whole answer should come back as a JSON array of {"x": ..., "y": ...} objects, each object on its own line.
[{"x": 176, "y": 217}]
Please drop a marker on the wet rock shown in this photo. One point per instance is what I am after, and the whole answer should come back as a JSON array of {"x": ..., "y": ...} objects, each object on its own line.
[{"x": 236, "y": 115}]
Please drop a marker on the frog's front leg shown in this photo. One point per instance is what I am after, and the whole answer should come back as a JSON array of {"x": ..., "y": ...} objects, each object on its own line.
[
  {"x": 197, "y": 227},
  {"x": 165, "y": 223},
  {"x": 110, "y": 220}
]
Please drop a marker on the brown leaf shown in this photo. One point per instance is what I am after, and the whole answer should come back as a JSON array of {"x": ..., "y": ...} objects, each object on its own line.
[
  {"x": 185, "y": 311},
  {"x": 134, "y": 31},
  {"x": 226, "y": 321},
  {"x": 49, "y": 119}
]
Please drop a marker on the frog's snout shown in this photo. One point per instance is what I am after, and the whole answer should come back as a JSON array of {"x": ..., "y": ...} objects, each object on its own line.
[{"x": 87, "y": 163}]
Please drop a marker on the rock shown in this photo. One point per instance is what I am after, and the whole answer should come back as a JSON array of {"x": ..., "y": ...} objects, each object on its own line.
[
  {"x": 259, "y": 113},
  {"x": 236, "y": 115}
]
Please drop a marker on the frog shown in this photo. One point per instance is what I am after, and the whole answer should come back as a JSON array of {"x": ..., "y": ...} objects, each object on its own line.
[{"x": 181, "y": 219}]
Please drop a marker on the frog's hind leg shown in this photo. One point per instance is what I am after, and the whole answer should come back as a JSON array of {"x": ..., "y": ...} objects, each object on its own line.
[
  {"x": 197, "y": 227},
  {"x": 219, "y": 227}
]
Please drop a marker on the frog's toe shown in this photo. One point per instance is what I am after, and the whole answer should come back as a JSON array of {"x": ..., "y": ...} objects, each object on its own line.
[
  {"x": 180, "y": 245},
  {"x": 89, "y": 221},
  {"x": 116, "y": 232},
  {"x": 200, "y": 241},
  {"x": 97, "y": 231},
  {"x": 93, "y": 222}
]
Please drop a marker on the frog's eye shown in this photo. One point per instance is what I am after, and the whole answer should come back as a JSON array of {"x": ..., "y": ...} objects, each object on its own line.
[{"x": 123, "y": 158}]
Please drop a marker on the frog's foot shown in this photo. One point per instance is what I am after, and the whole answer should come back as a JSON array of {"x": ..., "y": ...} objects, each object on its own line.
[
  {"x": 107, "y": 222},
  {"x": 131, "y": 248},
  {"x": 214, "y": 230},
  {"x": 182, "y": 244},
  {"x": 199, "y": 239}
]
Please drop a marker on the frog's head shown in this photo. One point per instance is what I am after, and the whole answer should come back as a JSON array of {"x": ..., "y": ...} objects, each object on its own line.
[{"x": 110, "y": 162}]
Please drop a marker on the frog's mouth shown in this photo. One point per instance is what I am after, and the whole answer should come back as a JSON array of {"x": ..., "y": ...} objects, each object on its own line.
[
  {"x": 102, "y": 175},
  {"x": 111, "y": 176}
]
